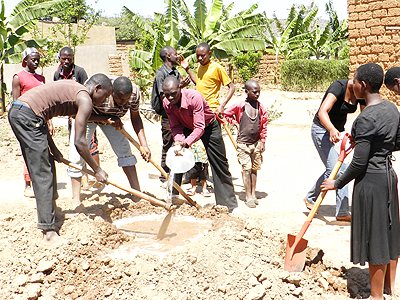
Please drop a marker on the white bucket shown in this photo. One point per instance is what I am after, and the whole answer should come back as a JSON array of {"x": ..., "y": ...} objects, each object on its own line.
[{"x": 179, "y": 163}]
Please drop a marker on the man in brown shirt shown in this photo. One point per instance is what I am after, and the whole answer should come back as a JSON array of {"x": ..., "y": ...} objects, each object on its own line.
[{"x": 28, "y": 117}]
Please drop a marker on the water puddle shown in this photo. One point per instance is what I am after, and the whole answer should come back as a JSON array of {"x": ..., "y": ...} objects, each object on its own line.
[{"x": 181, "y": 231}]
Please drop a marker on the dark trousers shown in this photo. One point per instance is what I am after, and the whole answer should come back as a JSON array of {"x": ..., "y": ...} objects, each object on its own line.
[
  {"x": 222, "y": 178},
  {"x": 168, "y": 141},
  {"x": 31, "y": 132}
]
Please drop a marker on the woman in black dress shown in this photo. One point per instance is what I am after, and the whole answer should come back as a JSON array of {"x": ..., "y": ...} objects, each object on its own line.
[{"x": 375, "y": 228}]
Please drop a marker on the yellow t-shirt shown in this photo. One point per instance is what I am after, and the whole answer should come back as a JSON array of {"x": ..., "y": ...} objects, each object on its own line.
[{"x": 209, "y": 80}]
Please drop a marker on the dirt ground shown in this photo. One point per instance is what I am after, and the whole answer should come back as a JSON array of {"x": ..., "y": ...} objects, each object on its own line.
[{"x": 236, "y": 257}]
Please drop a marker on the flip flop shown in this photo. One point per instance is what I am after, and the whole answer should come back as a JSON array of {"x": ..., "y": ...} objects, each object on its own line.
[
  {"x": 206, "y": 193},
  {"x": 191, "y": 191}
]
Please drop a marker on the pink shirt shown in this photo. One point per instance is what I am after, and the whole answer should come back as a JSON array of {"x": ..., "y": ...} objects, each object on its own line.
[
  {"x": 193, "y": 113},
  {"x": 233, "y": 114}
]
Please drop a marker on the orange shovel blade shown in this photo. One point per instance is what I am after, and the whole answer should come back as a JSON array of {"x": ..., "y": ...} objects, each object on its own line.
[{"x": 295, "y": 257}]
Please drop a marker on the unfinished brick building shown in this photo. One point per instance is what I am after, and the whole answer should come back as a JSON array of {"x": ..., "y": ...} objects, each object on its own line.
[{"x": 374, "y": 34}]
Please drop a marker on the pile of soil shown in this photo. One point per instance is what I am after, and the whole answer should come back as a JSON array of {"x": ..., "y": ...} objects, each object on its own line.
[
  {"x": 239, "y": 258},
  {"x": 235, "y": 260}
]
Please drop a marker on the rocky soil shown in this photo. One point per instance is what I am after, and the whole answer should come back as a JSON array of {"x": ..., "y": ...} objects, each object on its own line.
[{"x": 241, "y": 257}]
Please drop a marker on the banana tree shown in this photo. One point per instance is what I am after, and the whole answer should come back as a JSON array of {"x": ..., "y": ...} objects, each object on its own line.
[
  {"x": 226, "y": 35},
  {"x": 13, "y": 28},
  {"x": 292, "y": 35}
]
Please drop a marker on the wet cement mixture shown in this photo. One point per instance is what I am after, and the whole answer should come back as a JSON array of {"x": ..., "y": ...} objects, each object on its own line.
[{"x": 110, "y": 249}]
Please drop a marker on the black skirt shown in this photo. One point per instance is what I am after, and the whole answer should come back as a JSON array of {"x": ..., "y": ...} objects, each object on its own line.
[{"x": 375, "y": 226}]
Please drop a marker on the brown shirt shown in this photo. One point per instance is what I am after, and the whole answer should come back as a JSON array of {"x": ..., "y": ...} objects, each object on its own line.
[{"x": 54, "y": 99}]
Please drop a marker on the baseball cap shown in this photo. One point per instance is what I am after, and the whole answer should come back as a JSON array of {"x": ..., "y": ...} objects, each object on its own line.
[{"x": 27, "y": 52}]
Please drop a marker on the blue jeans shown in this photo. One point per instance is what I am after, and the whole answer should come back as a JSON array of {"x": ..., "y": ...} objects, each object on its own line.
[{"x": 329, "y": 157}]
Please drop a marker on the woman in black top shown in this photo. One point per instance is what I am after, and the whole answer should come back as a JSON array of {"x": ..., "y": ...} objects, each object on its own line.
[
  {"x": 375, "y": 227},
  {"x": 329, "y": 121}
]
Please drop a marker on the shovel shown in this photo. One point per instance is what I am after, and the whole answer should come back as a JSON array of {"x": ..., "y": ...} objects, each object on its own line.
[
  {"x": 141, "y": 195},
  {"x": 177, "y": 186},
  {"x": 296, "y": 246},
  {"x": 223, "y": 121}
]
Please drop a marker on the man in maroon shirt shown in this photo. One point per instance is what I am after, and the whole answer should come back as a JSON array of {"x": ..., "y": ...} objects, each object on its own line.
[{"x": 190, "y": 119}]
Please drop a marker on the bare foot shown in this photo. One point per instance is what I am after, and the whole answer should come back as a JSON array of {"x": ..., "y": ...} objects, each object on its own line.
[{"x": 51, "y": 238}]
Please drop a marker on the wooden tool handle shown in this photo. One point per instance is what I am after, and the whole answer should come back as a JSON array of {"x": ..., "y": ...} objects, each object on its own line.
[
  {"x": 141, "y": 195},
  {"x": 162, "y": 171},
  {"x": 223, "y": 121}
]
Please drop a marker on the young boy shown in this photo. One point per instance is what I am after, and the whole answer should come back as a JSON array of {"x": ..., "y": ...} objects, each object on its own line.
[
  {"x": 250, "y": 118},
  {"x": 392, "y": 79},
  {"x": 199, "y": 170},
  {"x": 375, "y": 226}
]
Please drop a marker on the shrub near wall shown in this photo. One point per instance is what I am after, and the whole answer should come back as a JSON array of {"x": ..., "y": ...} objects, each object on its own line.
[{"x": 305, "y": 75}]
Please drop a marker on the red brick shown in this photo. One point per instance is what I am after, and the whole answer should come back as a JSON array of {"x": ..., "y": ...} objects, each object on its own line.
[
  {"x": 360, "y": 24},
  {"x": 379, "y": 13},
  {"x": 351, "y": 8},
  {"x": 365, "y": 15},
  {"x": 365, "y": 32},
  {"x": 376, "y": 5},
  {"x": 362, "y": 59},
  {"x": 389, "y": 48},
  {"x": 354, "y": 51},
  {"x": 377, "y": 48},
  {"x": 352, "y": 42},
  {"x": 361, "y": 42},
  {"x": 366, "y": 50},
  {"x": 390, "y": 3},
  {"x": 394, "y": 12},
  {"x": 384, "y": 39},
  {"x": 354, "y": 33},
  {"x": 353, "y": 17},
  {"x": 372, "y": 39},
  {"x": 390, "y": 21},
  {"x": 362, "y": 7},
  {"x": 395, "y": 38},
  {"x": 372, "y": 22},
  {"x": 353, "y": 59},
  {"x": 372, "y": 58},
  {"x": 383, "y": 57},
  {"x": 378, "y": 30}
]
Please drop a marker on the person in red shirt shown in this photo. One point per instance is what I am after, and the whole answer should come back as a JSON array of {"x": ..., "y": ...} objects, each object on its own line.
[
  {"x": 191, "y": 119},
  {"x": 251, "y": 119},
  {"x": 21, "y": 83}
]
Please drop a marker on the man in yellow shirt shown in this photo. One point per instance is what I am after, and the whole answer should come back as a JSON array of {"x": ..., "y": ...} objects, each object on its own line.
[{"x": 209, "y": 78}]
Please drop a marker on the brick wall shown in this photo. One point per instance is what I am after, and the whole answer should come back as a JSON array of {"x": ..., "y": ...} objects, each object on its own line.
[
  {"x": 119, "y": 63},
  {"x": 374, "y": 35},
  {"x": 266, "y": 70}
]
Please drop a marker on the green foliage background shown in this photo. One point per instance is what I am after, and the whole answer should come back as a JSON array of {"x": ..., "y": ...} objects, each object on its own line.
[
  {"x": 247, "y": 64},
  {"x": 305, "y": 75}
]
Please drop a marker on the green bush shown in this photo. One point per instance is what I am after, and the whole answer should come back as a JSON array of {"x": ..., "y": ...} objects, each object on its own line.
[
  {"x": 247, "y": 64},
  {"x": 305, "y": 75}
]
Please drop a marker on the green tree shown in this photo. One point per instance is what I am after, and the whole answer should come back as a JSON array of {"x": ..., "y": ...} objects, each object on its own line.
[
  {"x": 247, "y": 64},
  {"x": 76, "y": 19},
  {"x": 292, "y": 34},
  {"x": 226, "y": 35},
  {"x": 127, "y": 30},
  {"x": 13, "y": 28},
  {"x": 340, "y": 33}
]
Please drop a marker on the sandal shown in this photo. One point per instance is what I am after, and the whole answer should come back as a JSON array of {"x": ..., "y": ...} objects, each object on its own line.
[
  {"x": 191, "y": 191},
  {"x": 206, "y": 193}
]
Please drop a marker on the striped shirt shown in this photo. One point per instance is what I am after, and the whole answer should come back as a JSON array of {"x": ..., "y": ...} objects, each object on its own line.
[{"x": 109, "y": 107}]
